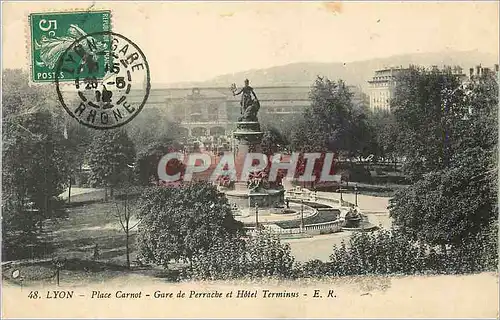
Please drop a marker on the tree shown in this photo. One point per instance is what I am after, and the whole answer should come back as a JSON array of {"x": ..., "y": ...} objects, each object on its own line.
[
  {"x": 445, "y": 207},
  {"x": 332, "y": 123},
  {"x": 179, "y": 222},
  {"x": 385, "y": 135},
  {"x": 78, "y": 140},
  {"x": 284, "y": 124},
  {"x": 225, "y": 259},
  {"x": 269, "y": 257},
  {"x": 152, "y": 127},
  {"x": 34, "y": 158},
  {"x": 148, "y": 159},
  {"x": 111, "y": 156},
  {"x": 125, "y": 210},
  {"x": 47, "y": 165},
  {"x": 455, "y": 199},
  {"x": 272, "y": 141},
  {"x": 428, "y": 105}
]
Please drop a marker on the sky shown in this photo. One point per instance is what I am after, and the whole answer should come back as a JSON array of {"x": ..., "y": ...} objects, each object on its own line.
[{"x": 193, "y": 41}]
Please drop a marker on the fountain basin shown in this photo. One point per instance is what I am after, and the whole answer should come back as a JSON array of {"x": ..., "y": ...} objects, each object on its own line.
[{"x": 264, "y": 198}]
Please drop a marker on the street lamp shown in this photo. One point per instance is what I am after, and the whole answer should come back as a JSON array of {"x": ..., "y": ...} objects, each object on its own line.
[
  {"x": 256, "y": 217},
  {"x": 302, "y": 215},
  {"x": 356, "y": 194}
]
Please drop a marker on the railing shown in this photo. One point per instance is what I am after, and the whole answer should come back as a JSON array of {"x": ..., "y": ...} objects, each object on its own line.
[
  {"x": 331, "y": 226},
  {"x": 299, "y": 193}
]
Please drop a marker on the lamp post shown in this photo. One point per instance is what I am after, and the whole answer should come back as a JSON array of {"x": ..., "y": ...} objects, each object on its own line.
[
  {"x": 302, "y": 215},
  {"x": 356, "y": 194},
  {"x": 256, "y": 217}
]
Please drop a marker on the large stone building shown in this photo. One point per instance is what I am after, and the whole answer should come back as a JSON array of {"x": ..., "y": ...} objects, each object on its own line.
[
  {"x": 382, "y": 88},
  {"x": 214, "y": 111},
  {"x": 383, "y": 85}
]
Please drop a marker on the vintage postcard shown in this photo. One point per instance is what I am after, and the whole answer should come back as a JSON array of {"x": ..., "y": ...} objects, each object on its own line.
[{"x": 250, "y": 159}]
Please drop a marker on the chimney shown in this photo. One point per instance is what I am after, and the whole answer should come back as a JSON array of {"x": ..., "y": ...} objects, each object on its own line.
[
  {"x": 496, "y": 67},
  {"x": 478, "y": 70},
  {"x": 471, "y": 72}
]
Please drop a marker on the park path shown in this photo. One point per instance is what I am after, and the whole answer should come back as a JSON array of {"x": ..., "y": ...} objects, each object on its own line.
[
  {"x": 320, "y": 247},
  {"x": 78, "y": 191}
]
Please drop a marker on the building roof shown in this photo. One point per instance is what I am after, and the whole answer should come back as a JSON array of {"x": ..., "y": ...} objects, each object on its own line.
[{"x": 263, "y": 93}]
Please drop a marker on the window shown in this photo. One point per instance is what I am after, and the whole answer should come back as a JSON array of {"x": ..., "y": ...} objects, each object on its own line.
[{"x": 195, "y": 109}]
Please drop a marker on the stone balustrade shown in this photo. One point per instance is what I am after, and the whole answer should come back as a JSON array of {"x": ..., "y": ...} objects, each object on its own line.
[
  {"x": 313, "y": 229},
  {"x": 297, "y": 194}
]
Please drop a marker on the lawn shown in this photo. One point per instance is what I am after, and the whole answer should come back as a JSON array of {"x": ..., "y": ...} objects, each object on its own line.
[{"x": 90, "y": 221}]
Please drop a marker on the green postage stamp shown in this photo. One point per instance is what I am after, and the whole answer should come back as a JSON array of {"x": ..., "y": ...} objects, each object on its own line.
[{"x": 52, "y": 33}]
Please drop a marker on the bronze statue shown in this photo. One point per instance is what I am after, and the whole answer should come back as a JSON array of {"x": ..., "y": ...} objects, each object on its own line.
[{"x": 249, "y": 103}]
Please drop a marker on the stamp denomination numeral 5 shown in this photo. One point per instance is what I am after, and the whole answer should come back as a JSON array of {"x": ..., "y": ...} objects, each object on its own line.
[{"x": 47, "y": 25}]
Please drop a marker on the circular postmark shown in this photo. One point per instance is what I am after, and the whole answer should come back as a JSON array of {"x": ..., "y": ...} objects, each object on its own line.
[{"x": 112, "y": 80}]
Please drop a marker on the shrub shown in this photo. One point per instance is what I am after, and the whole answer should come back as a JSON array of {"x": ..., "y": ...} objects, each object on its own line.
[
  {"x": 394, "y": 252},
  {"x": 261, "y": 256},
  {"x": 313, "y": 269}
]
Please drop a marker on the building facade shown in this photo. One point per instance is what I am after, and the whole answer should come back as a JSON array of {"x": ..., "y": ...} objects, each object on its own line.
[
  {"x": 382, "y": 87},
  {"x": 383, "y": 84},
  {"x": 208, "y": 115}
]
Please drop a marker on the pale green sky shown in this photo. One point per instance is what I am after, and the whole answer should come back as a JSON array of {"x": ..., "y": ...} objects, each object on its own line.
[{"x": 194, "y": 41}]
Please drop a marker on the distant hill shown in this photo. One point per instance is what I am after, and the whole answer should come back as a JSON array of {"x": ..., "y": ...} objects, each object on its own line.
[{"x": 354, "y": 73}]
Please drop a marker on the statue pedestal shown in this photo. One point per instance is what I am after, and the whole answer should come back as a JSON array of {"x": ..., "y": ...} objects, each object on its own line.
[
  {"x": 249, "y": 138},
  {"x": 267, "y": 198},
  {"x": 264, "y": 198},
  {"x": 248, "y": 134}
]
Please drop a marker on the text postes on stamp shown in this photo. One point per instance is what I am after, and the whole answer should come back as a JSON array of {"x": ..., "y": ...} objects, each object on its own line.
[
  {"x": 53, "y": 32},
  {"x": 112, "y": 100}
]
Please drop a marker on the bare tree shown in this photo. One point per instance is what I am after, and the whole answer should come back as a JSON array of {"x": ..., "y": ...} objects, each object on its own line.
[{"x": 125, "y": 209}]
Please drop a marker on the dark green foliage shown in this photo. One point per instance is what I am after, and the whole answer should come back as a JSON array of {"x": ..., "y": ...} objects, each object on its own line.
[
  {"x": 445, "y": 207},
  {"x": 152, "y": 126},
  {"x": 258, "y": 257},
  {"x": 268, "y": 257},
  {"x": 314, "y": 269},
  {"x": 393, "y": 252},
  {"x": 285, "y": 124},
  {"x": 225, "y": 259},
  {"x": 333, "y": 123},
  {"x": 353, "y": 172},
  {"x": 423, "y": 120},
  {"x": 147, "y": 161},
  {"x": 381, "y": 252},
  {"x": 454, "y": 195},
  {"x": 385, "y": 133},
  {"x": 179, "y": 223},
  {"x": 110, "y": 156},
  {"x": 34, "y": 161},
  {"x": 79, "y": 138},
  {"x": 272, "y": 141},
  {"x": 438, "y": 118}
]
